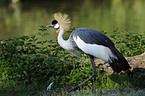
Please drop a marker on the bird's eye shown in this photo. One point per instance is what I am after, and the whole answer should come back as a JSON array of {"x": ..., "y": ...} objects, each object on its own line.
[{"x": 54, "y": 22}]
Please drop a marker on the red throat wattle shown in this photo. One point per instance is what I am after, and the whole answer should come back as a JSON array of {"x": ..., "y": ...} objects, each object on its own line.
[{"x": 57, "y": 31}]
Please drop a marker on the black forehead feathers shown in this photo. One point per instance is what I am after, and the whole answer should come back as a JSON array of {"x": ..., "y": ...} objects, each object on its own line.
[{"x": 54, "y": 22}]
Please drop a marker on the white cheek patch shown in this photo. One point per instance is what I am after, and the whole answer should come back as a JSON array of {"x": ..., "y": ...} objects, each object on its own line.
[{"x": 56, "y": 26}]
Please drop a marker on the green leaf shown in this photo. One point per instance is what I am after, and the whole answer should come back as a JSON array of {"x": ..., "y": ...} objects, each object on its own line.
[
  {"x": 28, "y": 43},
  {"x": 40, "y": 29},
  {"x": 25, "y": 73},
  {"x": 30, "y": 40},
  {"x": 38, "y": 47},
  {"x": 33, "y": 36},
  {"x": 36, "y": 39},
  {"x": 46, "y": 34},
  {"x": 44, "y": 29},
  {"x": 38, "y": 33},
  {"x": 33, "y": 45},
  {"x": 39, "y": 42},
  {"x": 44, "y": 41}
]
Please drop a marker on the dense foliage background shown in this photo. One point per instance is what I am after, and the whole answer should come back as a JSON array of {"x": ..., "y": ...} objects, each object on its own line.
[{"x": 27, "y": 61}]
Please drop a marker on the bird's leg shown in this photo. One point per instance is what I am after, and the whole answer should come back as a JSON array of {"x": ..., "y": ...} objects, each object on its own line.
[
  {"x": 94, "y": 69},
  {"x": 94, "y": 75},
  {"x": 74, "y": 88}
]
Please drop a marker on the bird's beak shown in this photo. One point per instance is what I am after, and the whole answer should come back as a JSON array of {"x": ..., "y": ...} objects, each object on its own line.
[{"x": 49, "y": 26}]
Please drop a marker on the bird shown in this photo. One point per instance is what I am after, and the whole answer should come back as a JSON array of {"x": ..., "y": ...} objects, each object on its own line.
[{"x": 91, "y": 42}]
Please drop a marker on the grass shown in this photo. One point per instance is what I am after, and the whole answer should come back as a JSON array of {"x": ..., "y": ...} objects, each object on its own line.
[{"x": 28, "y": 65}]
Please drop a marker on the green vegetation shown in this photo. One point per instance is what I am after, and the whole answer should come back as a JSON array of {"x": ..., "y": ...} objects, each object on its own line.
[
  {"x": 28, "y": 65},
  {"x": 128, "y": 43}
]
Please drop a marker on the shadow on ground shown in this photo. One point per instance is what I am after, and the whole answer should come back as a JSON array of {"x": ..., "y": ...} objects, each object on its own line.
[{"x": 137, "y": 78}]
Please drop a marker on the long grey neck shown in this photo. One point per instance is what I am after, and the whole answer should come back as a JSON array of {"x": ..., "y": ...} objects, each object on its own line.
[{"x": 63, "y": 43}]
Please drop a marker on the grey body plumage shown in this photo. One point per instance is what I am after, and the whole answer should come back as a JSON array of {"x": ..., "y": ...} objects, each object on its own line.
[{"x": 90, "y": 36}]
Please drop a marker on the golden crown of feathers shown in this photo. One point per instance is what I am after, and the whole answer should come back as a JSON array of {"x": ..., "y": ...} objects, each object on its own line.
[{"x": 63, "y": 20}]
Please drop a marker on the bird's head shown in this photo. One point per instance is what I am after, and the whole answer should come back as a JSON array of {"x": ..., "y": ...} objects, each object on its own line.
[
  {"x": 62, "y": 21},
  {"x": 54, "y": 25}
]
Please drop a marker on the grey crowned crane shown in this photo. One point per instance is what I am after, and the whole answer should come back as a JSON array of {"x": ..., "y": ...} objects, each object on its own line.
[{"x": 91, "y": 42}]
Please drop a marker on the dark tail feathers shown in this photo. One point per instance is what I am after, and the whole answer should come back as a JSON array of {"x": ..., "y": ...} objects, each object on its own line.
[{"x": 118, "y": 64}]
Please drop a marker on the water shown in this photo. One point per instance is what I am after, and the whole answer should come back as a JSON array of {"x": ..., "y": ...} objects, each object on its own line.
[{"x": 25, "y": 17}]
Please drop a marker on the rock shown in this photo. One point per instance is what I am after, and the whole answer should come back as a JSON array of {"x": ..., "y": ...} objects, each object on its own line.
[{"x": 136, "y": 62}]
